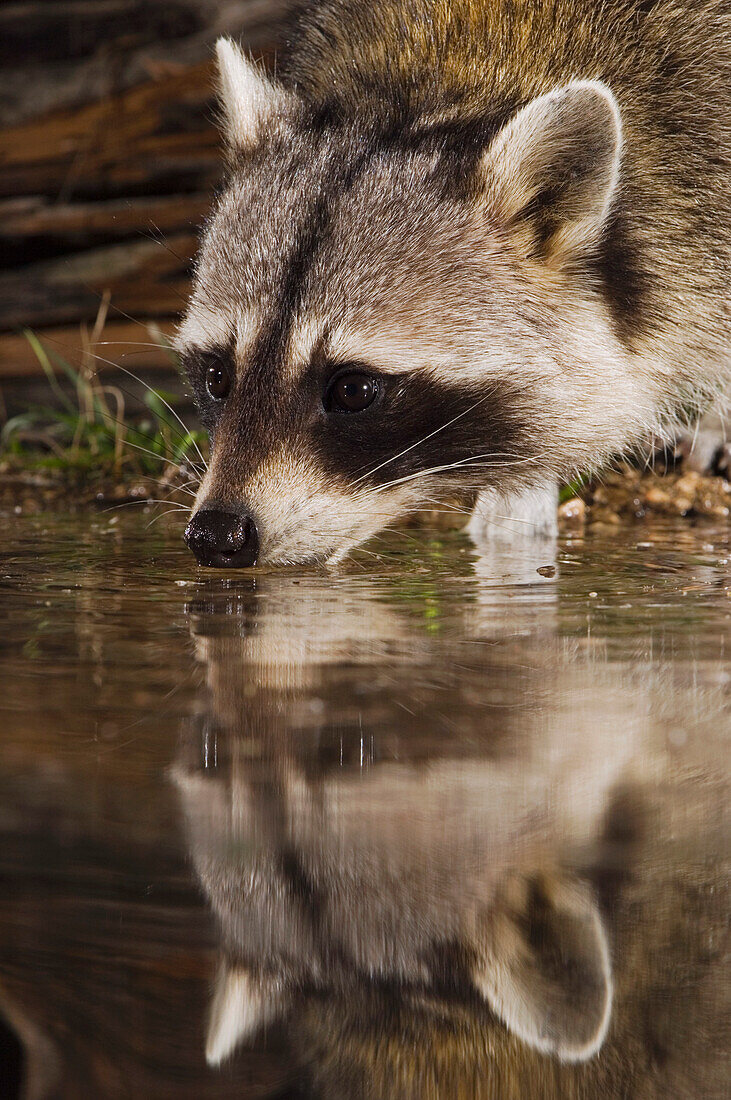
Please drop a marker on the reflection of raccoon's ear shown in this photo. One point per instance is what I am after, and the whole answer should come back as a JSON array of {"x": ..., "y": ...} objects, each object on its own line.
[
  {"x": 248, "y": 97},
  {"x": 242, "y": 1005},
  {"x": 552, "y": 170},
  {"x": 543, "y": 966}
]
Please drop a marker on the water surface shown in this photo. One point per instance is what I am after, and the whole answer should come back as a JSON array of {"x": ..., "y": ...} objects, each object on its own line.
[{"x": 436, "y": 824}]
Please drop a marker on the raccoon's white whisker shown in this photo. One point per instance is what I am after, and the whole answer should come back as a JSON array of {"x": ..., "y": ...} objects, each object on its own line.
[
  {"x": 131, "y": 344},
  {"x": 161, "y": 514},
  {"x": 186, "y": 484},
  {"x": 153, "y": 454},
  {"x": 395, "y": 531},
  {"x": 161, "y": 241},
  {"x": 168, "y": 406},
  {"x": 148, "y": 500},
  {"x": 135, "y": 320},
  {"x": 448, "y": 510},
  {"x": 465, "y": 463},
  {"x": 146, "y": 450},
  {"x": 184, "y": 487},
  {"x": 465, "y": 512},
  {"x": 476, "y": 461},
  {"x": 186, "y": 430},
  {"x": 140, "y": 351},
  {"x": 513, "y": 519},
  {"x": 187, "y": 492},
  {"x": 180, "y": 435},
  {"x": 138, "y": 446},
  {"x": 424, "y": 438}
]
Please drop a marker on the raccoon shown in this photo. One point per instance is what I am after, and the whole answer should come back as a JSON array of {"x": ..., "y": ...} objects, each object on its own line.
[
  {"x": 511, "y": 912},
  {"x": 464, "y": 246}
]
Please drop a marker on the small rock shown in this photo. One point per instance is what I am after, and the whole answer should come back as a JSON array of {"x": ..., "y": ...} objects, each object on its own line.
[
  {"x": 606, "y": 518},
  {"x": 682, "y": 505},
  {"x": 712, "y": 506},
  {"x": 602, "y": 528},
  {"x": 572, "y": 512},
  {"x": 656, "y": 498},
  {"x": 687, "y": 485}
]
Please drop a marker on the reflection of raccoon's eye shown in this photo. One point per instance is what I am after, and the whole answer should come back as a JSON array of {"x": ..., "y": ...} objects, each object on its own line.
[
  {"x": 351, "y": 392},
  {"x": 218, "y": 381}
]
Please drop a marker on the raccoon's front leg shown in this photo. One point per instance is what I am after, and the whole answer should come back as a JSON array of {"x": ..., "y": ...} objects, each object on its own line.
[
  {"x": 529, "y": 513},
  {"x": 708, "y": 441}
]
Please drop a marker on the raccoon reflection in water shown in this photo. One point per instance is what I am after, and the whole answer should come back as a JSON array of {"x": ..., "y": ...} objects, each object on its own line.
[{"x": 527, "y": 905}]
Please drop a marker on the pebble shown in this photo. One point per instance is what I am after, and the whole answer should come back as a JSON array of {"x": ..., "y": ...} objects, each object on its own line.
[
  {"x": 682, "y": 505},
  {"x": 687, "y": 485},
  {"x": 656, "y": 498},
  {"x": 572, "y": 512}
]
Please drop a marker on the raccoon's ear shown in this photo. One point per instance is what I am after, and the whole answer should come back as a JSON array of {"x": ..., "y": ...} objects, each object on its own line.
[
  {"x": 248, "y": 97},
  {"x": 551, "y": 172},
  {"x": 542, "y": 964},
  {"x": 242, "y": 1004}
]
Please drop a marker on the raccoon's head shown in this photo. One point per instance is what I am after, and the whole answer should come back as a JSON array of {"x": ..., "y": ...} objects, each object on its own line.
[{"x": 385, "y": 312}]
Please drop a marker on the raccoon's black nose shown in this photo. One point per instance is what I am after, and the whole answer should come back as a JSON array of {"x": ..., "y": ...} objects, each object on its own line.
[{"x": 225, "y": 540}]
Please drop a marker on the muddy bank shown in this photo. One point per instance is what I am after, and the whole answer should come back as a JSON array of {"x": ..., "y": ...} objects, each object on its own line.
[
  {"x": 622, "y": 496},
  {"x": 625, "y": 495},
  {"x": 28, "y": 490},
  {"x": 628, "y": 495}
]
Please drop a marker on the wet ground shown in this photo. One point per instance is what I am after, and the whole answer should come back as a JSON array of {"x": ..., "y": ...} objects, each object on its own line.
[{"x": 445, "y": 823}]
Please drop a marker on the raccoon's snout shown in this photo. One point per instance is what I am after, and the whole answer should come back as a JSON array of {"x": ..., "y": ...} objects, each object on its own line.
[{"x": 224, "y": 540}]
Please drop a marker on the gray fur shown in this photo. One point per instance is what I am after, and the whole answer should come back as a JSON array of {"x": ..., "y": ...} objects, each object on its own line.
[{"x": 543, "y": 281}]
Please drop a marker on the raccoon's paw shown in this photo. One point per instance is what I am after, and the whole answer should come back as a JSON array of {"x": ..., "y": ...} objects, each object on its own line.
[
  {"x": 706, "y": 445},
  {"x": 530, "y": 514}
]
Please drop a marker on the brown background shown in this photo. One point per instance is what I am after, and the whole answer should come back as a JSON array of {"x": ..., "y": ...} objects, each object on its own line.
[{"x": 108, "y": 159}]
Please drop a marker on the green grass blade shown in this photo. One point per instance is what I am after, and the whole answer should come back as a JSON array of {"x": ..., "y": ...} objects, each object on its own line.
[{"x": 42, "y": 357}]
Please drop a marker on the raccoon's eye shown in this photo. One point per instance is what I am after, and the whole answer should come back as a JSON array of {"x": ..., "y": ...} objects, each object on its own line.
[
  {"x": 352, "y": 392},
  {"x": 218, "y": 381}
]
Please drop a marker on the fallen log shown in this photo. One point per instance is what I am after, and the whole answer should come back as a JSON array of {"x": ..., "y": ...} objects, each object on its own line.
[
  {"x": 135, "y": 345},
  {"x": 108, "y": 158},
  {"x": 146, "y": 278},
  {"x": 59, "y": 54},
  {"x": 155, "y": 138}
]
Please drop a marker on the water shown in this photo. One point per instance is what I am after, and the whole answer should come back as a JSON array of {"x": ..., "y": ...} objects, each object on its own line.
[{"x": 393, "y": 831}]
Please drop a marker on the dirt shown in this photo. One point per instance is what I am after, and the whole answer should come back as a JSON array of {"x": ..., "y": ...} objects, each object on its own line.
[
  {"x": 629, "y": 495},
  {"x": 622, "y": 495},
  {"x": 29, "y": 490}
]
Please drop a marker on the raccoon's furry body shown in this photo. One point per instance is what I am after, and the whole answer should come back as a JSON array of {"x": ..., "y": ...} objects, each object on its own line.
[
  {"x": 664, "y": 261},
  {"x": 514, "y": 216}
]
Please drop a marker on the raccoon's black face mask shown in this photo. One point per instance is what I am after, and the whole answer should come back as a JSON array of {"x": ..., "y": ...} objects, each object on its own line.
[{"x": 361, "y": 338}]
